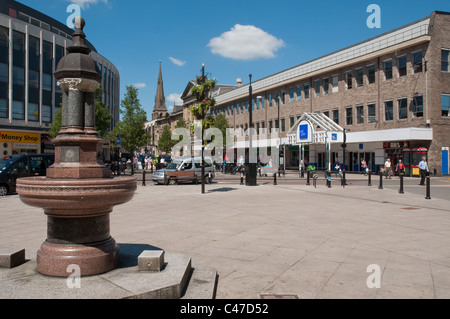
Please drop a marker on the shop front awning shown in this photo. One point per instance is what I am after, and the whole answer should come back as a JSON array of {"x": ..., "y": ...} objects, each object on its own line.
[
  {"x": 314, "y": 128},
  {"x": 391, "y": 135}
]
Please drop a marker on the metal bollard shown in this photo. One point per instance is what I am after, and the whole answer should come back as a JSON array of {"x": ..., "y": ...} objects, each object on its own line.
[
  {"x": 143, "y": 178},
  {"x": 380, "y": 186},
  {"x": 369, "y": 183},
  {"x": 428, "y": 188},
  {"x": 307, "y": 178},
  {"x": 328, "y": 177},
  {"x": 242, "y": 178},
  {"x": 401, "y": 184},
  {"x": 274, "y": 178}
]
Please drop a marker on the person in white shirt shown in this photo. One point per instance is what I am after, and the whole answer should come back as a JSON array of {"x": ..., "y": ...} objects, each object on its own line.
[{"x": 423, "y": 168}]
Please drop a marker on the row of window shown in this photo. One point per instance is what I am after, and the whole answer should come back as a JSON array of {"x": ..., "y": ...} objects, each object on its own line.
[
  {"x": 18, "y": 111},
  {"x": 26, "y": 18},
  {"x": 358, "y": 77},
  {"x": 40, "y": 79},
  {"x": 402, "y": 107},
  {"x": 401, "y": 111}
]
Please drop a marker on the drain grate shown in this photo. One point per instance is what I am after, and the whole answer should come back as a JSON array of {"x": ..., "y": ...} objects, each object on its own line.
[
  {"x": 278, "y": 296},
  {"x": 410, "y": 208}
]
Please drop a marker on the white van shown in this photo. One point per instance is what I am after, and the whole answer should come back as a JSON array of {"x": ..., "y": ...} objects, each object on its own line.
[{"x": 186, "y": 164}]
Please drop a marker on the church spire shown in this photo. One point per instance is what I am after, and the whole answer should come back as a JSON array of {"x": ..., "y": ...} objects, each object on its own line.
[{"x": 160, "y": 100}]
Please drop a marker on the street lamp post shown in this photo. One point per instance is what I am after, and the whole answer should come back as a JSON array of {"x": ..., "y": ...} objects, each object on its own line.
[
  {"x": 344, "y": 145},
  {"x": 251, "y": 172},
  {"x": 202, "y": 142}
]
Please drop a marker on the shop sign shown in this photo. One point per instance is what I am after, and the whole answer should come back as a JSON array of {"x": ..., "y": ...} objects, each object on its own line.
[
  {"x": 304, "y": 132},
  {"x": 20, "y": 139}
]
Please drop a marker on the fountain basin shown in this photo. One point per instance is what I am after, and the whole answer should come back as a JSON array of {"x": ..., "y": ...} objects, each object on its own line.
[{"x": 78, "y": 224}]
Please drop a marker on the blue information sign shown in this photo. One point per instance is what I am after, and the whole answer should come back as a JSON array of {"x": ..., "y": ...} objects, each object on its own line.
[{"x": 304, "y": 131}]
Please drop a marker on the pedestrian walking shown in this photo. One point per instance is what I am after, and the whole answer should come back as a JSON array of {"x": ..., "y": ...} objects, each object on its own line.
[
  {"x": 135, "y": 162},
  {"x": 364, "y": 166},
  {"x": 423, "y": 169},
  {"x": 337, "y": 168},
  {"x": 400, "y": 168},
  {"x": 388, "y": 168},
  {"x": 146, "y": 163}
]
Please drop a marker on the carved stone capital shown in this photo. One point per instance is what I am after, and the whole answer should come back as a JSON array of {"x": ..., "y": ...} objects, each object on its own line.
[{"x": 78, "y": 84}]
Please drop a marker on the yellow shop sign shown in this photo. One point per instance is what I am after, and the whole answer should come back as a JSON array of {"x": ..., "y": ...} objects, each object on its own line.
[{"x": 20, "y": 137}]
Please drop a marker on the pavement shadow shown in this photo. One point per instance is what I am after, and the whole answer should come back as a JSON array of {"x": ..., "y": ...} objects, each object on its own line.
[
  {"x": 129, "y": 253},
  {"x": 222, "y": 189}
]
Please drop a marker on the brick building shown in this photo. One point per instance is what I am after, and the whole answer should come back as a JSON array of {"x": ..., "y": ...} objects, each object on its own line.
[{"x": 391, "y": 93}]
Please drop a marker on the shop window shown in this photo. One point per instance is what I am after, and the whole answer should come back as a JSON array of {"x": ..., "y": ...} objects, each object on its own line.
[
  {"x": 299, "y": 93},
  {"x": 349, "y": 115},
  {"x": 359, "y": 76},
  {"x": 306, "y": 91},
  {"x": 334, "y": 83},
  {"x": 359, "y": 114},
  {"x": 349, "y": 80},
  {"x": 417, "y": 106},
  {"x": 387, "y": 67},
  {"x": 371, "y": 113},
  {"x": 336, "y": 116},
  {"x": 417, "y": 62},
  {"x": 371, "y": 74},
  {"x": 403, "y": 108},
  {"x": 445, "y": 104},
  {"x": 445, "y": 60},
  {"x": 388, "y": 111},
  {"x": 325, "y": 85},
  {"x": 401, "y": 66}
]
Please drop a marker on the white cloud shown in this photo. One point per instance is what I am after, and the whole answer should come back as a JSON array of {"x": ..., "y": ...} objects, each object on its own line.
[
  {"x": 174, "y": 98},
  {"x": 139, "y": 85},
  {"x": 84, "y": 4},
  {"x": 245, "y": 42},
  {"x": 177, "y": 62}
]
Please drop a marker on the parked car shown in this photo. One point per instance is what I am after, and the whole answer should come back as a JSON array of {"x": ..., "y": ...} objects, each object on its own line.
[
  {"x": 184, "y": 165},
  {"x": 14, "y": 167}
]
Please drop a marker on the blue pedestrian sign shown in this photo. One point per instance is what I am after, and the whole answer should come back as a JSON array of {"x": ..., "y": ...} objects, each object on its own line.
[{"x": 118, "y": 141}]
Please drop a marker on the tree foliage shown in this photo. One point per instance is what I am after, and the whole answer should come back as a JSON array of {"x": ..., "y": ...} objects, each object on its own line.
[
  {"x": 221, "y": 122},
  {"x": 165, "y": 142},
  {"x": 103, "y": 116},
  {"x": 56, "y": 124},
  {"x": 131, "y": 127}
]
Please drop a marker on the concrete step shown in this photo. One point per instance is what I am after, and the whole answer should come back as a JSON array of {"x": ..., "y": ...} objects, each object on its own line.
[{"x": 202, "y": 283}]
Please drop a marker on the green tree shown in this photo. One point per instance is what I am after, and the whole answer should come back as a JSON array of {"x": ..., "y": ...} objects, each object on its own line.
[
  {"x": 181, "y": 123},
  {"x": 221, "y": 122},
  {"x": 103, "y": 116},
  {"x": 56, "y": 124},
  {"x": 165, "y": 142},
  {"x": 131, "y": 127}
]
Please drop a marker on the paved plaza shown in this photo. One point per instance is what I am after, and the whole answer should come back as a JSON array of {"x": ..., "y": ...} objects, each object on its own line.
[{"x": 288, "y": 239}]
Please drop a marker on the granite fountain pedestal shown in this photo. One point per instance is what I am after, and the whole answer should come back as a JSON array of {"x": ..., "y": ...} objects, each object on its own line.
[{"x": 78, "y": 193}]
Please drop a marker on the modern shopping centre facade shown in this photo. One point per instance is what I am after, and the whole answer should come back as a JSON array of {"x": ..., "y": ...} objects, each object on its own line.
[{"x": 391, "y": 93}]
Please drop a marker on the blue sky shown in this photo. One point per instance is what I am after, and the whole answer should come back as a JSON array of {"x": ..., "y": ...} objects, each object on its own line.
[{"x": 233, "y": 38}]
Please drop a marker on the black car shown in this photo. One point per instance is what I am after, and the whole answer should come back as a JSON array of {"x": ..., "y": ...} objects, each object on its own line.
[{"x": 14, "y": 167}]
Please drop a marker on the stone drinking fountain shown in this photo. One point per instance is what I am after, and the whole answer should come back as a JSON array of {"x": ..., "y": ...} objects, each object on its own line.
[{"x": 78, "y": 193}]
